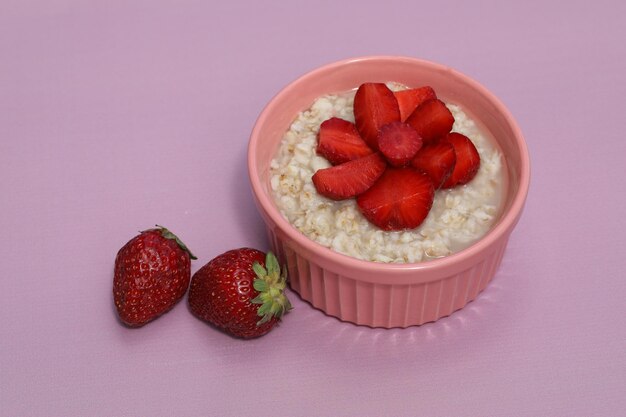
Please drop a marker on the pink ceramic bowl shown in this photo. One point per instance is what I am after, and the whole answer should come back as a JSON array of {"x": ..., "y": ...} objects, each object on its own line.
[{"x": 378, "y": 294}]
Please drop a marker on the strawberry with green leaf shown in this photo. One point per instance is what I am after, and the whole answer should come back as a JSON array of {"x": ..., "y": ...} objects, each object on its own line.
[{"x": 240, "y": 292}]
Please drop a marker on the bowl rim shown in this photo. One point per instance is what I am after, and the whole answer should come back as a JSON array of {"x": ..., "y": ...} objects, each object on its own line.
[{"x": 501, "y": 230}]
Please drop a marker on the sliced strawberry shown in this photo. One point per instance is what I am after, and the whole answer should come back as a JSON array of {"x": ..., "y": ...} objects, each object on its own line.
[
  {"x": 437, "y": 160},
  {"x": 374, "y": 106},
  {"x": 432, "y": 120},
  {"x": 408, "y": 100},
  {"x": 339, "y": 141},
  {"x": 350, "y": 178},
  {"x": 467, "y": 160},
  {"x": 399, "y": 143},
  {"x": 400, "y": 199}
]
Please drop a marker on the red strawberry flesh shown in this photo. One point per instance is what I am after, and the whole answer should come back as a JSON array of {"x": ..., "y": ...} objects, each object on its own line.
[
  {"x": 350, "y": 178},
  {"x": 437, "y": 160},
  {"x": 374, "y": 106},
  {"x": 339, "y": 141},
  {"x": 467, "y": 160},
  {"x": 399, "y": 143},
  {"x": 400, "y": 199},
  {"x": 432, "y": 120},
  {"x": 408, "y": 100}
]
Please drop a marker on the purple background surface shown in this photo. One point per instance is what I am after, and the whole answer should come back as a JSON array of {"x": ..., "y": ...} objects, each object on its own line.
[{"x": 116, "y": 115}]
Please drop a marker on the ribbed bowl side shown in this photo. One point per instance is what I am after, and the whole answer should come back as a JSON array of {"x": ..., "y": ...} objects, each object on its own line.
[{"x": 385, "y": 305}]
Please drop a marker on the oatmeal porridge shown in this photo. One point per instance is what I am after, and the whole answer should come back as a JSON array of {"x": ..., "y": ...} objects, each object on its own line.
[{"x": 459, "y": 216}]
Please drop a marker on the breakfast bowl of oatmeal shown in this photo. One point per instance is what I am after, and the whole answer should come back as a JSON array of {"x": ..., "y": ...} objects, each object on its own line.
[{"x": 389, "y": 186}]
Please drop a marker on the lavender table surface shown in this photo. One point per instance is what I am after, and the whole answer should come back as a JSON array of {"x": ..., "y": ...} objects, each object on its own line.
[{"x": 116, "y": 115}]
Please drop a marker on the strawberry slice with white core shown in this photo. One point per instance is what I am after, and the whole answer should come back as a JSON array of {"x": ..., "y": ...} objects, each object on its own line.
[
  {"x": 350, "y": 178},
  {"x": 408, "y": 100},
  {"x": 467, "y": 160},
  {"x": 432, "y": 120},
  {"x": 399, "y": 143},
  {"x": 400, "y": 199},
  {"x": 437, "y": 160},
  {"x": 374, "y": 106},
  {"x": 339, "y": 141}
]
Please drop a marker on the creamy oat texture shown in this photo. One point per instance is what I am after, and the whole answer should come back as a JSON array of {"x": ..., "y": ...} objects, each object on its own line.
[{"x": 459, "y": 216}]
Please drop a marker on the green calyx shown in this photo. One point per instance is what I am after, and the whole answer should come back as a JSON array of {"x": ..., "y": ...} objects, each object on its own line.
[
  {"x": 270, "y": 283},
  {"x": 167, "y": 234}
]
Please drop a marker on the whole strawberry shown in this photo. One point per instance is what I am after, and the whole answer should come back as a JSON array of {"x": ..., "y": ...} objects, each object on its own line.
[
  {"x": 152, "y": 273},
  {"x": 240, "y": 292}
]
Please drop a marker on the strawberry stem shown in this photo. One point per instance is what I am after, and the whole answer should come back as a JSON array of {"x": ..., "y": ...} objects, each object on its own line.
[
  {"x": 167, "y": 234},
  {"x": 270, "y": 283}
]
